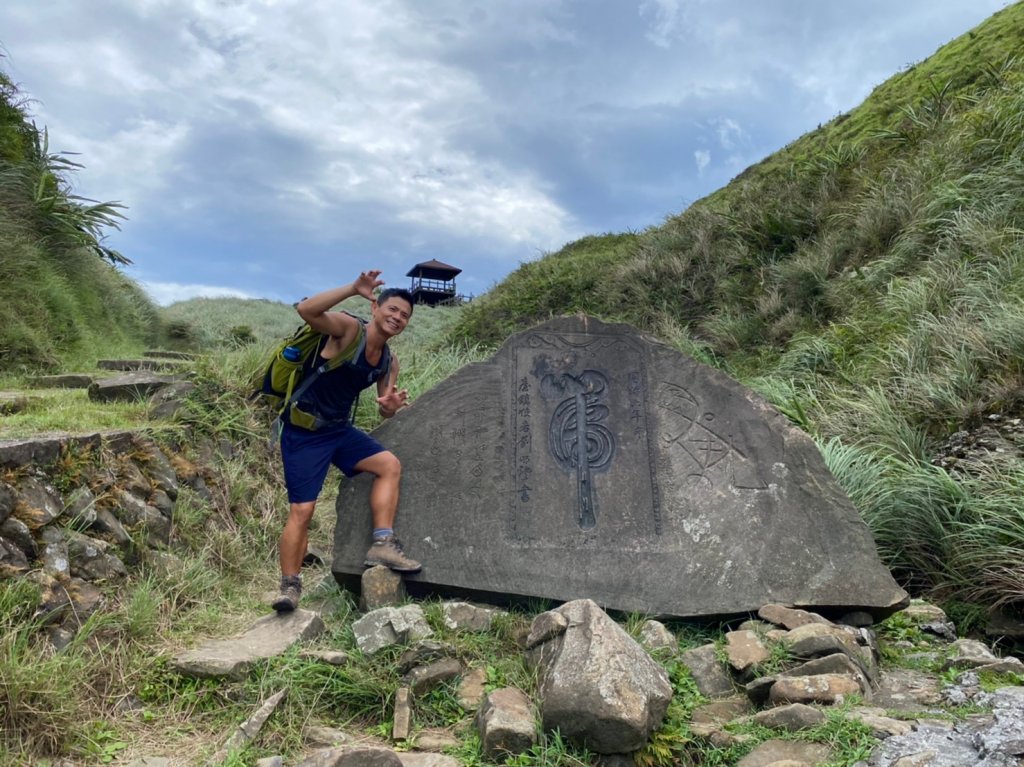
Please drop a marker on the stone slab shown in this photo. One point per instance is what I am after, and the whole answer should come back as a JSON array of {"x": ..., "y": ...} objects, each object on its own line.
[
  {"x": 266, "y": 638},
  {"x": 63, "y": 381},
  {"x": 687, "y": 495}
]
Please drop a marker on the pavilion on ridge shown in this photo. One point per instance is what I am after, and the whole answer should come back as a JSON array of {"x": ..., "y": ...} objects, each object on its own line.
[{"x": 433, "y": 283}]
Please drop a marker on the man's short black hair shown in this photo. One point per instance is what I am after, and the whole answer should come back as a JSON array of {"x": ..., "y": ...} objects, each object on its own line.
[{"x": 402, "y": 293}]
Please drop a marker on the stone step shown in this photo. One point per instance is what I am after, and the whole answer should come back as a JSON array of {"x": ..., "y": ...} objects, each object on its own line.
[
  {"x": 141, "y": 364},
  {"x": 44, "y": 449},
  {"x": 131, "y": 386},
  {"x": 167, "y": 354},
  {"x": 62, "y": 381}
]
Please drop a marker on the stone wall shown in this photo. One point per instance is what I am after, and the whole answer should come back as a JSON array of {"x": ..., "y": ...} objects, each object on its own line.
[{"x": 80, "y": 512}]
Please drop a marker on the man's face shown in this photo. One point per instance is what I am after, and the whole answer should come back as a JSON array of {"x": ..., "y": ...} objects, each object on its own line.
[{"x": 393, "y": 315}]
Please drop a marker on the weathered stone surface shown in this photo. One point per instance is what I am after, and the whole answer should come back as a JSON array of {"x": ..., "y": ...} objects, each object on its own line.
[
  {"x": 390, "y": 626},
  {"x": 80, "y": 507},
  {"x": 38, "y": 503},
  {"x": 266, "y": 638},
  {"x": 424, "y": 651},
  {"x": 506, "y": 723},
  {"x": 789, "y": 617},
  {"x": 414, "y": 759},
  {"x": 62, "y": 381},
  {"x": 435, "y": 740},
  {"x": 159, "y": 470},
  {"x": 92, "y": 560},
  {"x": 380, "y": 587},
  {"x": 793, "y": 717},
  {"x": 545, "y": 626},
  {"x": 402, "y": 717},
  {"x": 597, "y": 686},
  {"x": 638, "y": 514},
  {"x": 23, "y": 452},
  {"x": 771, "y": 751},
  {"x": 820, "y": 688},
  {"x": 655, "y": 636},
  {"x": 330, "y": 657},
  {"x": 352, "y": 756},
  {"x": 464, "y": 616},
  {"x": 969, "y": 653},
  {"x": 745, "y": 650},
  {"x": 55, "y": 560},
  {"x": 882, "y": 726},
  {"x": 12, "y": 559},
  {"x": 815, "y": 640},
  {"x": 836, "y": 663},
  {"x": 130, "y": 387},
  {"x": 423, "y": 679},
  {"x": 710, "y": 717},
  {"x": 907, "y": 690},
  {"x": 316, "y": 735},
  {"x": 168, "y": 400},
  {"x": 712, "y": 680},
  {"x": 923, "y": 612},
  {"x": 162, "y": 502},
  {"x": 109, "y": 526},
  {"x": 8, "y": 496},
  {"x": 17, "y": 533},
  {"x": 471, "y": 689}
]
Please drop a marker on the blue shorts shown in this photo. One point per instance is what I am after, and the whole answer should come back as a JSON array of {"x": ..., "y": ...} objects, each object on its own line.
[{"x": 307, "y": 455}]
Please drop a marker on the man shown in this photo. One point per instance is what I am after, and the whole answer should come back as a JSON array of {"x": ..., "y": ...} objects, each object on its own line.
[{"x": 307, "y": 455}]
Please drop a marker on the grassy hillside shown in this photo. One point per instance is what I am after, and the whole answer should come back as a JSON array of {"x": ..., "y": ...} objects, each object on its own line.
[
  {"x": 63, "y": 301},
  {"x": 869, "y": 279}
]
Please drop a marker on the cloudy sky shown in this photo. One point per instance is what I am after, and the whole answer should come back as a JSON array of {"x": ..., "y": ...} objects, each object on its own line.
[{"x": 273, "y": 148}]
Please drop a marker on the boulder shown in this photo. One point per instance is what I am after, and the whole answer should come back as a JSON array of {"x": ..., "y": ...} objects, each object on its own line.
[
  {"x": 586, "y": 460},
  {"x": 596, "y": 685}
]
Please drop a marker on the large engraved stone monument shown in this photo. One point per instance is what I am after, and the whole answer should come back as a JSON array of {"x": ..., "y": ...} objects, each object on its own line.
[{"x": 587, "y": 461}]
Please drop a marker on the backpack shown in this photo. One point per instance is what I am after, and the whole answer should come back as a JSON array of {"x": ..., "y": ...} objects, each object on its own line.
[{"x": 285, "y": 379}]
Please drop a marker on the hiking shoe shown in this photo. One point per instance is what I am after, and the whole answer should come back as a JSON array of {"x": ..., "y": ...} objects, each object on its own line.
[
  {"x": 388, "y": 552},
  {"x": 291, "y": 592}
]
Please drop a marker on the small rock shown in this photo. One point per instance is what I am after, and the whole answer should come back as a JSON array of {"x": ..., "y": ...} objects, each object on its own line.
[
  {"x": 712, "y": 680},
  {"x": 464, "y": 616},
  {"x": 789, "y": 617},
  {"x": 471, "y": 689},
  {"x": 507, "y": 723},
  {"x": 423, "y": 679},
  {"x": 402, "y": 716},
  {"x": 656, "y": 636},
  {"x": 380, "y": 587},
  {"x": 316, "y": 735},
  {"x": 745, "y": 650},
  {"x": 792, "y": 718},
  {"x": 821, "y": 688}
]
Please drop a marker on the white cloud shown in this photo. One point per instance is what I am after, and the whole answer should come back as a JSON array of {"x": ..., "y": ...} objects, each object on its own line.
[
  {"x": 728, "y": 131},
  {"x": 165, "y": 293},
  {"x": 703, "y": 158}
]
